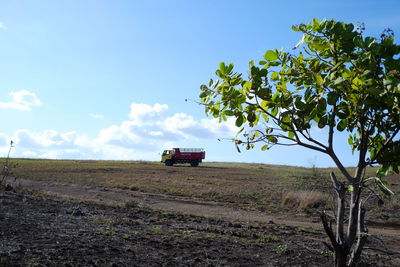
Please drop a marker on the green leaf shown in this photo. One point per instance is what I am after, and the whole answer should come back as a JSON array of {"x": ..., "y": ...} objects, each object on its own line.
[
  {"x": 383, "y": 171},
  {"x": 286, "y": 120},
  {"x": 316, "y": 23},
  {"x": 264, "y": 147},
  {"x": 369, "y": 41},
  {"x": 322, "y": 105},
  {"x": 323, "y": 121},
  {"x": 223, "y": 117},
  {"x": 228, "y": 112},
  {"x": 276, "y": 97},
  {"x": 342, "y": 125},
  {"x": 341, "y": 115},
  {"x": 230, "y": 68},
  {"x": 271, "y": 55},
  {"x": 295, "y": 28},
  {"x": 239, "y": 121},
  {"x": 264, "y": 93},
  {"x": 318, "y": 79},
  {"x": 265, "y": 117},
  {"x": 313, "y": 114},
  {"x": 300, "y": 104},
  {"x": 383, "y": 187},
  {"x": 332, "y": 98},
  {"x": 274, "y": 112},
  {"x": 350, "y": 188},
  {"x": 251, "y": 117},
  {"x": 275, "y": 76},
  {"x": 222, "y": 68},
  {"x": 350, "y": 140},
  {"x": 203, "y": 94},
  {"x": 240, "y": 131},
  {"x": 272, "y": 139},
  {"x": 247, "y": 86}
]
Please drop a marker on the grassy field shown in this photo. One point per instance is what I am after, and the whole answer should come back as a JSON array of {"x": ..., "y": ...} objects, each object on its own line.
[{"x": 258, "y": 185}]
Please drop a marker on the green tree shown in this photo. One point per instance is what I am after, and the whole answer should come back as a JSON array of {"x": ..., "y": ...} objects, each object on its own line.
[{"x": 341, "y": 81}]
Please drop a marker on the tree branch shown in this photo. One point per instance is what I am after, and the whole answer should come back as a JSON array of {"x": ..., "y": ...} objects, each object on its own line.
[
  {"x": 340, "y": 191},
  {"x": 340, "y": 166},
  {"x": 309, "y": 138},
  {"x": 362, "y": 235},
  {"x": 328, "y": 231},
  {"x": 331, "y": 128},
  {"x": 363, "y": 152}
]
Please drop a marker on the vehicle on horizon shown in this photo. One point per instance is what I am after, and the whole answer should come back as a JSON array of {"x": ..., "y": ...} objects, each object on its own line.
[{"x": 183, "y": 155}]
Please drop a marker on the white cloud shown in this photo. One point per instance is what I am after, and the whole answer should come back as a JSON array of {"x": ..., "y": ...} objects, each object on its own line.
[
  {"x": 143, "y": 114},
  {"x": 156, "y": 133},
  {"x": 2, "y": 26},
  {"x": 21, "y": 100},
  {"x": 148, "y": 130},
  {"x": 96, "y": 116}
]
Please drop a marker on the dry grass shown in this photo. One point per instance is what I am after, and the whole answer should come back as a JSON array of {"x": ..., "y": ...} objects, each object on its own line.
[
  {"x": 232, "y": 182},
  {"x": 257, "y": 185},
  {"x": 303, "y": 200}
]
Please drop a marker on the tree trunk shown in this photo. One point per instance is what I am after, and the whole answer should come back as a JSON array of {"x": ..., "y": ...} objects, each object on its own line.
[
  {"x": 340, "y": 258},
  {"x": 347, "y": 247},
  {"x": 340, "y": 250}
]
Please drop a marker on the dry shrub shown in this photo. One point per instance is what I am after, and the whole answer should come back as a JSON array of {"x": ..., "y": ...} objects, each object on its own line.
[
  {"x": 394, "y": 203},
  {"x": 131, "y": 204},
  {"x": 303, "y": 200}
]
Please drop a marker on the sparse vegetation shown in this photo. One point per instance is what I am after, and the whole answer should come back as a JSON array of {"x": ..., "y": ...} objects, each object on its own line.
[
  {"x": 156, "y": 229},
  {"x": 281, "y": 249},
  {"x": 303, "y": 200},
  {"x": 7, "y": 170},
  {"x": 267, "y": 238},
  {"x": 130, "y": 204},
  {"x": 256, "y": 186}
]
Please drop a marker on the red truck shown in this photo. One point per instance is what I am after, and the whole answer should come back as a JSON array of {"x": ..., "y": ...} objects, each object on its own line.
[{"x": 183, "y": 155}]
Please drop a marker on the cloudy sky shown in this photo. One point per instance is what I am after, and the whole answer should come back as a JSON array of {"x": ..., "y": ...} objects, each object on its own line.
[{"x": 100, "y": 79}]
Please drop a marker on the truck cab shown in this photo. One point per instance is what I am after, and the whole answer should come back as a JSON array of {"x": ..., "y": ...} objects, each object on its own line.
[{"x": 166, "y": 155}]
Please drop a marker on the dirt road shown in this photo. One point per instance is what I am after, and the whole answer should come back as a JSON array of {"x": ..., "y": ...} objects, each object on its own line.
[{"x": 192, "y": 206}]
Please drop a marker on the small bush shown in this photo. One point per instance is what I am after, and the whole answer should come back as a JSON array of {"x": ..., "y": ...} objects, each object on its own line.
[
  {"x": 6, "y": 171},
  {"x": 393, "y": 204},
  {"x": 281, "y": 249},
  {"x": 131, "y": 204},
  {"x": 303, "y": 200}
]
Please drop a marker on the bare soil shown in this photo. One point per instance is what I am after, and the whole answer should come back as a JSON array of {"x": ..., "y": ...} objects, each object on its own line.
[
  {"x": 59, "y": 224},
  {"x": 186, "y": 205}
]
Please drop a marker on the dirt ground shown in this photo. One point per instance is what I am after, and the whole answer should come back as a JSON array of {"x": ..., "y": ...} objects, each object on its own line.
[
  {"x": 186, "y": 205},
  {"x": 67, "y": 225}
]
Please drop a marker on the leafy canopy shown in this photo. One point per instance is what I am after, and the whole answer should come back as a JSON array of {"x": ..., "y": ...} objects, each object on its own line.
[{"x": 340, "y": 80}]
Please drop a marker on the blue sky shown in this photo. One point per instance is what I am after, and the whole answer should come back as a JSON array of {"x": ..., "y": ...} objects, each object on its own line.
[{"x": 108, "y": 79}]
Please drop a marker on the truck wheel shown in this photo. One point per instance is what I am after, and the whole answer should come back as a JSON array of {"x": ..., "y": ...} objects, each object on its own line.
[
  {"x": 168, "y": 162},
  {"x": 194, "y": 163}
]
